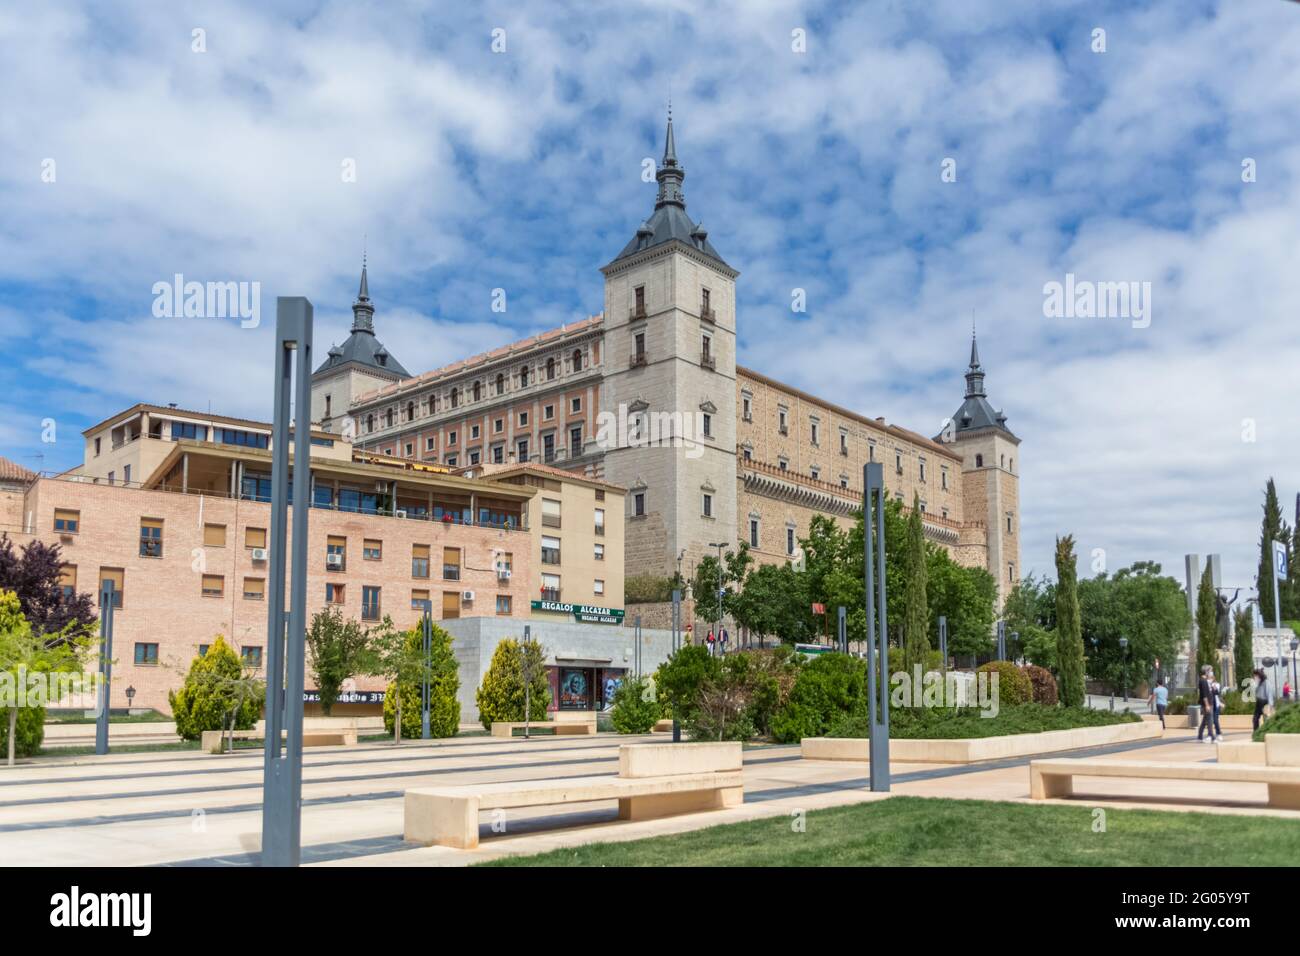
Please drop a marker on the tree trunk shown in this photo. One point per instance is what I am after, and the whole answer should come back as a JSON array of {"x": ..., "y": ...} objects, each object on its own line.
[{"x": 13, "y": 733}]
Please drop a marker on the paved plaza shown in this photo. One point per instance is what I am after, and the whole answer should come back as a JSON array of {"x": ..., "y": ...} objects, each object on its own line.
[{"x": 197, "y": 809}]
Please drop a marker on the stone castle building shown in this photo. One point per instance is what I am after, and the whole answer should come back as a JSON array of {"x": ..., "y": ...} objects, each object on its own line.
[{"x": 648, "y": 396}]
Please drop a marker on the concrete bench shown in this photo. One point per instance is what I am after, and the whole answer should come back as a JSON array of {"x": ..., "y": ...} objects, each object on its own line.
[
  {"x": 1050, "y": 779},
  {"x": 651, "y": 782},
  {"x": 506, "y": 728},
  {"x": 214, "y": 741}
]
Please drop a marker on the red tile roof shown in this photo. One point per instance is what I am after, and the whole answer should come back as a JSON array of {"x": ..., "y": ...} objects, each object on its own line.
[{"x": 12, "y": 471}]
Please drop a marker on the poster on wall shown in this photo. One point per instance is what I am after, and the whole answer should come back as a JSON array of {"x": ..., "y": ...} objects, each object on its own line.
[
  {"x": 575, "y": 689},
  {"x": 610, "y": 680}
]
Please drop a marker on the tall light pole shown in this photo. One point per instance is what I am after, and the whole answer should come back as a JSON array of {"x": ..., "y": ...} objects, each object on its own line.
[
  {"x": 677, "y": 643},
  {"x": 873, "y": 569},
  {"x": 427, "y": 626},
  {"x": 722, "y": 576},
  {"x": 1123, "y": 658},
  {"x": 526, "y": 668},
  {"x": 106, "y": 600},
  {"x": 285, "y": 631},
  {"x": 1295, "y": 684}
]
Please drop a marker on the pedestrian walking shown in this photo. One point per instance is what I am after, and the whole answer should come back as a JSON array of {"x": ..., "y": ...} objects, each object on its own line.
[
  {"x": 1263, "y": 697},
  {"x": 1160, "y": 699},
  {"x": 1205, "y": 699},
  {"x": 1217, "y": 688}
]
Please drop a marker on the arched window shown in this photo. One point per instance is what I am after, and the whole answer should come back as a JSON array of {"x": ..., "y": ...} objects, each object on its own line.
[
  {"x": 370, "y": 422},
  {"x": 455, "y": 397},
  {"x": 477, "y": 391},
  {"x": 501, "y": 383},
  {"x": 550, "y": 369},
  {"x": 577, "y": 360},
  {"x": 388, "y": 418},
  {"x": 523, "y": 376},
  {"x": 410, "y": 411}
]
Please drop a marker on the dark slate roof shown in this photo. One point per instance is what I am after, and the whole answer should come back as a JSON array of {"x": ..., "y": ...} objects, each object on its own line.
[
  {"x": 362, "y": 347},
  {"x": 669, "y": 220}
]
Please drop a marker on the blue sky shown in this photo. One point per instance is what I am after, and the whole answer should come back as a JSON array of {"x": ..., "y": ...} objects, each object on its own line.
[{"x": 817, "y": 170}]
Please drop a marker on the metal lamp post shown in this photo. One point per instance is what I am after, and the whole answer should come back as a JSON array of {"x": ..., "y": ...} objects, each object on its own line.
[
  {"x": 1295, "y": 685},
  {"x": 105, "y": 665},
  {"x": 130, "y": 696},
  {"x": 1123, "y": 657},
  {"x": 285, "y": 631},
  {"x": 873, "y": 565},
  {"x": 1002, "y": 640},
  {"x": 722, "y": 577},
  {"x": 677, "y": 643},
  {"x": 427, "y": 625},
  {"x": 843, "y": 631},
  {"x": 527, "y": 671},
  {"x": 943, "y": 646}
]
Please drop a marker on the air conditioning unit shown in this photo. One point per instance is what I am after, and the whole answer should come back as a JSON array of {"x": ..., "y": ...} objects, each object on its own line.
[
  {"x": 503, "y": 574},
  {"x": 259, "y": 554},
  {"x": 334, "y": 560},
  {"x": 467, "y": 596},
  {"x": 399, "y": 513}
]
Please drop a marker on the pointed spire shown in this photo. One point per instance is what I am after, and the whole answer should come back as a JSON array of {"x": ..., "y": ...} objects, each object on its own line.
[
  {"x": 670, "y": 174},
  {"x": 670, "y": 145},
  {"x": 975, "y": 374},
  {"x": 363, "y": 312}
]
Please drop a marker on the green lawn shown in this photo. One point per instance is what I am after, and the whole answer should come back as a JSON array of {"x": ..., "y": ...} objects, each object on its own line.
[{"x": 919, "y": 831}]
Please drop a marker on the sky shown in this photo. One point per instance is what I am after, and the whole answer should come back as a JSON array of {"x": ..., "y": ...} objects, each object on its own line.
[{"x": 913, "y": 168}]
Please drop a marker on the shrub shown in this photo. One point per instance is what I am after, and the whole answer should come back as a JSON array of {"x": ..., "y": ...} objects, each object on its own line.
[
  {"x": 215, "y": 689},
  {"x": 953, "y": 723},
  {"x": 828, "y": 688},
  {"x": 1014, "y": 686},
  {"x": 722, "y": 709},
  {"x": 1286, "y": 720},
  {"x": 444, "y": 682},
  {"x": 29, "y": 731},
  {"x": 1042, "y": 683},
  {"x": 679, "y": 679},
  {"x": 635, "y": 707},
  {"x": 501, "y": 695}
]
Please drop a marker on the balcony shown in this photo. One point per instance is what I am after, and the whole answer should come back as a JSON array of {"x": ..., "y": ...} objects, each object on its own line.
[
  {"x": 637, "y": 359},
  {"x": 708, "y": 361},
  {"x": 551, "y": 594},
  {"x": 707, "y": 314},
  {"x": 636, "y": 312},
  {"x": 783, "y": 429}
]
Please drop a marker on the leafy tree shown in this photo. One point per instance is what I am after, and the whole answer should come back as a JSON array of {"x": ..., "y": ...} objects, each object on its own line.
[
  {"x": 1272, "y": 528},
  {"x": 1207, "y": 633},
  {"x": 336, "y": 650},
  {"x": 966, "y": 597},
  {"x": 774, "y": 601},
  {"x": 1069, "y": 633},
  {"x": 1030, "y": 611},
  {"x": 218, "y": 694},
  {"x": 23, "y": 651},
  {"x": 916, "y": 610},
  {"x": 501, "y": 696},
  {"x": 1137, "y": 603},
  {"x": 636, "y": 706},
  {"x": 404, "y": 694},
  {"x": 34, "y": 575},
  {"x": 1243, "y": 645},
  {"x": 392, "y": 655}
]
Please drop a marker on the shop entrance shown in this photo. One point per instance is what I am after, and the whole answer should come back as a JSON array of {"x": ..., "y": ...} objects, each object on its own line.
[{"x": 586, "y": 686}]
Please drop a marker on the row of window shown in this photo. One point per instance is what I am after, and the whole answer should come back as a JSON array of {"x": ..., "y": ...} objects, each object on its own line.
[
  {"x": 497, "y": 452},
  {"x": 372, "y": 601},
  {"x": 475, "y": 392}
]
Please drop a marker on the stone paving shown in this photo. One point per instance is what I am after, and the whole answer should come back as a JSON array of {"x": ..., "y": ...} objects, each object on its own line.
[{"x": 198, "y": 809}]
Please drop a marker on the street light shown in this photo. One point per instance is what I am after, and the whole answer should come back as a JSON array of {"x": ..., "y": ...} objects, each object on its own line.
[
  {"x": 1295, "y": 645},
  {"x": 130, "y": 696},
  {"x": 1123, "y": 651},
  {"x": 721, "y": 578}
]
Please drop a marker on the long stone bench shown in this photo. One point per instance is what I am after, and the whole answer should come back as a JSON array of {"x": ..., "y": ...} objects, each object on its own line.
[
  {"x": 506, "y": 728},
  {"x": 1277, "y": 750},
  {"x": 214, "y": 741},
  {"x": 654, "y": 780},
  {"x": 1051, "y": 779},
  {"x": 963, "y": 750}
]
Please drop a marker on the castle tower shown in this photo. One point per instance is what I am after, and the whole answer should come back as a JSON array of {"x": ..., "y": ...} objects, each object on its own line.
[
  {"x": 670, "y": 345},
  {"x": 990, "y": 475},
  {"x": 359, "y": 365}
]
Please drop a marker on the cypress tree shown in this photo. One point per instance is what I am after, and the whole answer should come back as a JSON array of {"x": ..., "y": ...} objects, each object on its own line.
[
  {"x": 916, "y": 609},
  {"x": 1207, "y": 634},
  {"x": 1069, "y": 626},
  {"x": 1243, "y": 650},
  {"x": 1271, "y": 529}
]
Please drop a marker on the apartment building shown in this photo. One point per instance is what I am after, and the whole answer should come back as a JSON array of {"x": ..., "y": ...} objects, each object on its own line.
[{"x": 579, "y": 525}]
